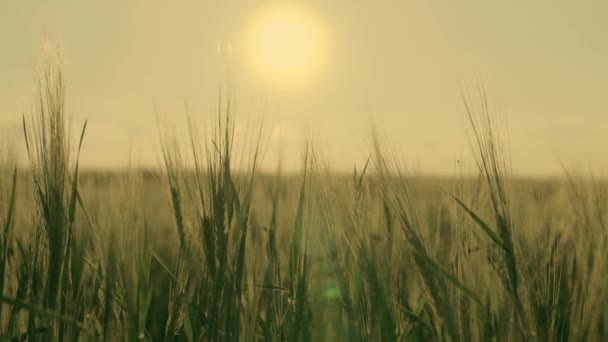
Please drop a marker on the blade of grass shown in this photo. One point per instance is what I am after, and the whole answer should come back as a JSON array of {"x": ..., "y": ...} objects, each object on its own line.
[{"x": 484, "y": 226}]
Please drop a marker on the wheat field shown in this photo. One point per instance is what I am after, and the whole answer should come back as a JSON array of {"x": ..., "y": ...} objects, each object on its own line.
[{"x": 202, "y": 250}]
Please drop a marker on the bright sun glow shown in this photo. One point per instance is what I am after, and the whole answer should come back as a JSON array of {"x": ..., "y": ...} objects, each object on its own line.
[{"x": 286, "y": 45}]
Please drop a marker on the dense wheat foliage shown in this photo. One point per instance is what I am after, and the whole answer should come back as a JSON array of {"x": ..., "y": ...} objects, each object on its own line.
[{"x": 205, "y": 249}]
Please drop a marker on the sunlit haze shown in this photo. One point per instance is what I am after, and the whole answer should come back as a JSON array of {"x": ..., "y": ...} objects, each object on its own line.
[{"x": 321, "y": 70}]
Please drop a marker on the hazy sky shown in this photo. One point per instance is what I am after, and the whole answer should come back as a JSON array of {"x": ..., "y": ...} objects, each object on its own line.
[{"x": 397, "y": 63}]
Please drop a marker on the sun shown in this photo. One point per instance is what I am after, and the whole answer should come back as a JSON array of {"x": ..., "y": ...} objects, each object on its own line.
[{"x": 286, "y": 45}]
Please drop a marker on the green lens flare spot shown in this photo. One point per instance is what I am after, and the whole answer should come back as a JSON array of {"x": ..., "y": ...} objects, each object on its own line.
[{"x": 330, "y": 292}]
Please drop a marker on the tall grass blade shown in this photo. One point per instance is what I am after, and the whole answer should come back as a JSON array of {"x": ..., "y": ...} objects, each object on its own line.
[{"x": 484, "y": 226}]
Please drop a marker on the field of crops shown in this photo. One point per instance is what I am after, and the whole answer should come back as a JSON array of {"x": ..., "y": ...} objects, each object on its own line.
[{"x": 201, "y": 249}]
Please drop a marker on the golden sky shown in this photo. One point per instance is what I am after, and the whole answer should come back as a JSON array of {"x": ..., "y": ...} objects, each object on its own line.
[{"x": 323, "y": 69}]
